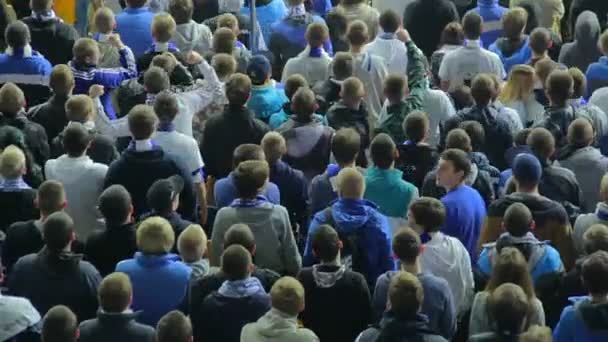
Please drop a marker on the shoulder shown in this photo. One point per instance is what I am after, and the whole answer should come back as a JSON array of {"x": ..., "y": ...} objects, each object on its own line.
[{"x": 88, "y": 268}]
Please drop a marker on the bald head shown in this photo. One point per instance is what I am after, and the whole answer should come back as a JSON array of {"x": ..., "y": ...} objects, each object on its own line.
[
  {"x": 351, "y": 184},
  {"x": 274, "y": 147}
]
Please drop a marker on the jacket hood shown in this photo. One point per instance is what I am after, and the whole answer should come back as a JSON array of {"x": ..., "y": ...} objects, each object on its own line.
[
  {"x": 580, "y": 152},
  {"x": 327, "y": 276},
  {"x": 393, "y": 328},
  {"x": 189, "y": 33},
  {"x": 472, "y": 177},
  {"x": 587, "y": 30},
  {"x": 58, "y": 264},
  {"x": 445, "y": 252},
  {"x": 275, "y": 324},
  {"x": 508, "y": 50},
  {"x": 541, "y": 207},
  {"x": 112, "y": 318},
  {"x": 595, "y": 316},
  {"x": 351, "y": 215}
]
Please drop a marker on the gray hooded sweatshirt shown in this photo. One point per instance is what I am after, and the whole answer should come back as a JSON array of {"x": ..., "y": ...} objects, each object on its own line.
[
  {"x": 193, "y": 36},
  {"x": 277, "y": 326},
  {"x": 583, "y": 50}
]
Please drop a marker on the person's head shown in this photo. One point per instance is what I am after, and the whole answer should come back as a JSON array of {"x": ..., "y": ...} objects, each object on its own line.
[
  {"x": 603, "y": 43},
  {"x": 156, "y": 79},
  {"x": 508, "y": 307},
  {"x": 514, "y": 23},
  {"x": 350, "y": 183},
  {"x": 559, "y": 87},
  {"x": 345, "y": 146},
  {"x": 142, "y": 122},
  {"x": 224, "y": 40},
  {"x": 542, "y": 143},
  {"x": 326, "y": 244},
  {"x": 416, "y": 126},
  {"x": 80, "y": 108},
  {"x": 407, "y": 246},
  {"x": 61, "y": 80},
  {"x": 303, "y": 103},
  {"x": 543, "y": 68},
  {"x": 163, "y": 27},
  {"x": 342, "y": 66},
  {"x": 155, "y": 236},
  {"x": 426, "y": 215},
  {"x": 389, "y": 21},
  {"x": 472, "y": 24},
  {"x": 12, "y": 163},
  {"x": 594, "y": 273},
  {"x": 259, "y": 69},
  {"x": 165, "y": 61},
  {"x": 224, "y": 65},
  {"x": 405, "y": 295},
  {"x": 454, "y": 167},
  {"x": 452, "y": 34},
  {"x": 163, "y": 194},
  {"x": 519, "y": 85},
  {"x": 357, "y": 34},
  {"x": 41, "y": 5},
  {"x": 76, "y": 139},
  {"x": 104, "y": 20},
  {"x": 247, "y": 152},
  {"x": 192, "y": 243},
  {"x": 59, "y": 325},
  {"x": 236, "y": 263},
  {"x": 240, "y": 234},
  {"x": 115, "y": 293},
  {"x": 181, "y": 11},
  {"x": 86, "y": 51},
  {"x": 383, "y": 151},
  {"x": 58, "y": 232},
  {"x": 462, "y": 97},
  {"x": 458, "y": 139},
  {"x": 511, "y": 267},
  {"x": 521, "y": 137},
  {"x": 174, "y": 327},
  {"x": 579, "y": 85},
  {"x": 135, "y": 3},
  {"x": 540, "y": 41},
  {"x": 527, "y": 172},
  {"x": 250, "y": 177},
  {"x": 352, "y": 92},
  {"x": 287, "y": 296},
  {"x": 230, "y": 21},
  {"x": 518, "y": 220},
  {"x": 238, "y": 89},
  {"x": 12, "y": 99},
  {"x": 166, "y": 107},
  {"x": 395, "y": 88},
  {"x": 337, "y": 22},
  {"x": 274, "y": 147},
  {"x": 476, "y": 134},
  {"x": 580, "y": 133},
  {"x": 595, "y": 239},
  {"x": 536, "y": 333},
  {"x": 483, "y": 89},
  {"x": 317, "y": 34},
  {"x": 115, "y": 205},
  {"x": 50, "y": 198},
  {"x": 604, "y": 188},
  {"x": 17, "y": 35}
]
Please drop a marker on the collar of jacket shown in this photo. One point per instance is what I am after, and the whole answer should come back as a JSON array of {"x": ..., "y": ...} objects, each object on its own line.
[
  {"x": 24, "y": 52},
  {"x": 155, "y": 260},
  {"x": 62, "y": 262},
  {"x": 234, "y": 111},
  {"x": 136, "y": 10},
  {"x": 117, "y": 317}
]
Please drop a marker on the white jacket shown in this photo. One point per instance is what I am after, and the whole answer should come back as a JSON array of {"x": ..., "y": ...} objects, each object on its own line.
[
  {"x": 314, "y": 69},
  {"x": 193, "y": 36},
  {"x": 372, "y": 72},
  {"x": 82, "y": 180},
  {"x": 276, "y": 326}
]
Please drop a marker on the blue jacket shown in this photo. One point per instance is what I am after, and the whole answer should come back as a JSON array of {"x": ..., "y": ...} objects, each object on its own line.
[
  {"x": 110, "y": 78},
  {"x": 582, "y": 321},
  {"x": 465, "y": 214},
  {"x": 134, "y": 27},
  {"x": 597, "y": 75},
  {"x": 358, "y": 217},
  {"x": 30, "y": 73},
  {"x": 225, "y": 192},
  {"x": 511, "y": 56},
  {"x": 169, "y": 277},
  {"x": 321, "y": 7},
  {"x": 389, "y": 191},
  {"x": 266, "y": 100},
  {"x": 267, "y": 15},
  {"x": 492, "y": 13},
  {"x": 294, "y": 188}
]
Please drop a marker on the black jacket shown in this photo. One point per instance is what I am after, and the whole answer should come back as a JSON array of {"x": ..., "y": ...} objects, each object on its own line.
[
  {"x": 52, "y": 38},
  {"x": 600, "y": 8},
  {"x": 138, "y": 170},
  {"x": 104, "y": 249},
  {"x": 416, "y": 161},
  {"x": 338, "y": 312},
  {"x": 35, "y": 136},
  {"x": 117, "y": 327},
  {"x": 340, "y": 116},
  {"x": 102, "y": 149},
  {"x": 327, "y": 93},
  {"x": 47, "y": 279},
  {"x": 426, "y": 33},
  {"x": 560, "y": 185},
  {"x": 50, "y": 115},
  {"x": 396, "y": 329},
  {"x": 22, "y": 238},
  {"x": 224, "y": 133},
  {"x": 17, "y": 206},
  {"x": 557, "y": 121}
]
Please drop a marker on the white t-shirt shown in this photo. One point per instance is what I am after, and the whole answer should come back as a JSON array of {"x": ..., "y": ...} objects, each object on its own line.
[
  {"x": 463, "y": 64},
  {"x": 184, "y": 150},
  {"x": 392, "y": 51}
]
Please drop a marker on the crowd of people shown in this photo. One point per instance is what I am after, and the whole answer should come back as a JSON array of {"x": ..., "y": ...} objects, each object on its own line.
[{"x": 335, "y": 170}]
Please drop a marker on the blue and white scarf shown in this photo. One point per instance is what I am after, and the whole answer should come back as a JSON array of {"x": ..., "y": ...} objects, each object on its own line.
[
  {"x": 45, "y": 15},
  {"x": 13, "y": 185},
  {"x": 241, "y": 288},
  {"x": 243, "y": 203}
]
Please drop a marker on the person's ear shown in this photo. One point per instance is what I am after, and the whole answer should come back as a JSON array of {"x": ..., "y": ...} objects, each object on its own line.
[
  {"x": 395, "y": 154},
  {"x": 314, "y": 253},
  {"x": 421, "y": 249},
  {"x": 64, "y": 204},
  {"x": 532, "y": 225},
  {"x": 77, "y": 334},
  {"x": 502, "y": 227},
  {"x": 293, "y": 107},
  {"x": 340, "y": 245},
  {"x": 130, "y": 299},
  {"x": 73, "y": 237},
  {"x": 250, "y": 268},
  {"x": 253, "y": 250},
  {"x": 190, "y": 338}
]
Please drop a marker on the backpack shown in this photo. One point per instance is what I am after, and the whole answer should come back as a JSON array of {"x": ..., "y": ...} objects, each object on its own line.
[{"x": 352, "y": 253}]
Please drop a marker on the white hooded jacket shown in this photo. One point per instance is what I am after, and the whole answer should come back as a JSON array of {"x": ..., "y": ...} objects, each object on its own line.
[
  {"x": 193, "y": 36},
  {"x": 276, "y": 326}
]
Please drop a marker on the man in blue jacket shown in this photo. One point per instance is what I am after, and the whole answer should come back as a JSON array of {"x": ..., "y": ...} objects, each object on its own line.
[
  {"x": 365, "y": 232},
  {"x": 134, "y": 25},
  {"x": 492, "y": 13}
]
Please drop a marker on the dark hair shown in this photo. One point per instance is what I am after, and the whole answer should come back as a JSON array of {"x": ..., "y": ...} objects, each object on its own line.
[
  {"x": 596, "y": 239},
  {"x": 458, "y": 139},
  {"x": 595, "y": 272},
  {"x": 325, "y": 243},
  {"x": 235, "y": 262},
  {"x": 394, "y": 85},
  {"x": 483, "y": 89},
  {"x": 358, "y": 33},
  {"x": 508, "y": 307},
  {"x": 452, "y": 34},
  {"x": 517, "y": 219},
  {"x": 345, "y": 145},
  {"x": 142, "y": 122},
  {"x": 247, "y": 152},
  {"x": 239, "y": 234},
  {"x": 57, "y": 231},
  {"x": 406, "y": 245},
  {"x": 559, "y": 86},
  {"x": 136, "y": 3},
  {"x": 521, "y": 136},
  {"x": 76, "y": 139},
  {"x": 462, "y": 97},
  {"x": 174, "y": 327},
  {"x": 337, "y": 23},
  {"x": 59, "y": 325},
  {"x": 293, "y": 83},
  {"x": 389, "y": 21},
  {"x": 115, "y": 204},
  {"x": 156, "y": 80},
  {"x": 166, "y": 106},
  {"x": 459, "y": 160},
  {"x": 541, "y": 142},
  {"x": 472, "y": 24},
  {"x": 181, "y": 10},
  {"x": 17, "y": 35},
  {"x": 511, "y": 267},
  {"x": 342, "y": 65},
  {"x": 415, "y": 125},
  {"x": 429, "y": 213},
  {"x": 475, "y": 132},
  {"x": 580, "y": 133},
  {"x": 249, "y": 177},
  {"x": 382, "y": 150},
  {"x": 405, "y": 294},
  {"x": 540, "y": 40},
  {"x": 238, "y": 89},
  {"x": 51, "y": 197}
]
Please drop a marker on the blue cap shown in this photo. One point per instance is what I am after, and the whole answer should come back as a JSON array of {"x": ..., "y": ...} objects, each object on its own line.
[
  {"x": 258, "y": 69},
  {"x": 527, "y": 168}
]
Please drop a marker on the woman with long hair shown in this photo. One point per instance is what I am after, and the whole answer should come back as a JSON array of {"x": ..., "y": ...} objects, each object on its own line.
[
  {"x": 518, "y": 94},
  {"x": 510, "y": 267}
]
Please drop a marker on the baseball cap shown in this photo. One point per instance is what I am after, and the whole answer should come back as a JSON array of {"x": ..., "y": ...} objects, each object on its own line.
[
  {"x": 164, "y": 191},
  {"x": 258, "y": 69},
  {"x": 527, "y": 168}
]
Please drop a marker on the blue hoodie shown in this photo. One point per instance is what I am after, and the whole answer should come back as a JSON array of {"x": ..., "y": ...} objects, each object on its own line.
[
  {"x": 267, "y": 15},
  {"x": 358, "y": 217},
  {"x": 597, "y": 75},
  {"x": 492, "y": 13},
  {"x": 583, "y": 321},
  {"x": 512, "y": 56},
  {"x": 266, "y": 100}
]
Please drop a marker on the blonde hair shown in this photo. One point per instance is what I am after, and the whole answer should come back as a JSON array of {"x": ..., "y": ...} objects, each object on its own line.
[
  {"x": 603, "y": 42},
  {"x": 85, "y": 48},
  {"x": 604, "y": 188},
  {"x": 192, "y": 243},
  {"x": 12, "y": 98},
  {"x": 12, "y": 162},
  {"x": 163, "y": 27},
  {"x": 274, "y": 146},
  {"x": 287, "y": 296},
  {"x": 228, "y": 20},
  {"x": 514, "y": 22},
  {"x": 350, "y": 183},
  {"x": 79, "y": 108},
  {"x": 104, "y": 20},
  {"x": 520, "y": 84},
  {"x": 61, "y": 80},
  {"x": 115, "y": 292},
  {"x": 155, "y": 236},
  {"x": 352, "y": 88}
]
